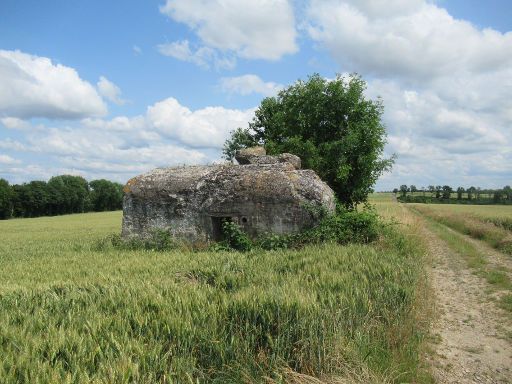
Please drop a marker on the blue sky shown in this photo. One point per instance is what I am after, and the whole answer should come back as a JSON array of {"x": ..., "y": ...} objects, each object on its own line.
[{"x": 113, "y": 89}]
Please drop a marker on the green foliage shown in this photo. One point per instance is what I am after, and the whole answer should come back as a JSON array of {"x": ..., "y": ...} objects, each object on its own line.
[
  {"x": 507, "y": 192},
  {"x": 444, "y": 195},
  {"x": 75, "y": 314},
  {"x": 235, "y": 238},
  {"x": 273, "y": 242},
  {"x": 343, "y": 228},
  {"x": 68, "y": 194},
  {"x": 106, "y": 195},
  {"x": 60, "y": 195},
  {"x": 460, "y": 191},
  {"x": 447, "y": 191},
  {"x": 6, "y": 195},
  {"x": 158, "y": 240},
  {"x": 30, "y": 200},
  {"x": 240, "y": 138},
  {"x": 403, "y": 190},
  {"x": 334, "y": 129},
  {"x": 346, "y": 227}
]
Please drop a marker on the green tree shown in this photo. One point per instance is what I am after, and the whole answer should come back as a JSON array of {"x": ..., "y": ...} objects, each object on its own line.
[
  {"x": 507, "y": 192},
  {"x": 471, "y": 191},
  {"x": 106, "y": 195},
  {"x": 32, "y": 199},
  {"x": 331, "y": 125},
  {"x": 460, "y": 191},
  {"x": 58, "y": 197},
  {"x": 432, "y": 190},
  {"x": 404, "y": 190},
  {"x": 413, "y": 189},
  {"x": 438, "y": 191},
  {"x": 240, "y": 138},
  {"x": 447, "y": 191},
  {"x": 69, "y": 193},
  {"x": 6, "y": 199}
]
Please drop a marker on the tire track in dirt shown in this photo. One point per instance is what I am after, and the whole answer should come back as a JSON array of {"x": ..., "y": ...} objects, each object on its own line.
[{"x": 469, "y": 332}]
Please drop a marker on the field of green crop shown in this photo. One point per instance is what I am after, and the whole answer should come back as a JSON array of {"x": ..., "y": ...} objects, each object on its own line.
[
  {"x": 483, "y": 211},
  {"x": 492, "y": 224},
  {"x": 74, "y": 310}
]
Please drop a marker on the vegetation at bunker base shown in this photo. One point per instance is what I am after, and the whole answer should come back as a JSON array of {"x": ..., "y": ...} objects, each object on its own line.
[{"x": 74, "y": 313}]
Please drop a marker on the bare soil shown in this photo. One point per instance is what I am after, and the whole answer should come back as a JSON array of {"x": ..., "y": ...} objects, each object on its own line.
[{"x": 472, "y": 337}]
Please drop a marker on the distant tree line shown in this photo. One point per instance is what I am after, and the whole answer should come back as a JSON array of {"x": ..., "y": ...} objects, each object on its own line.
[
  {"x": 447, "y": 194},
  {"x": 58, "y": 196}
]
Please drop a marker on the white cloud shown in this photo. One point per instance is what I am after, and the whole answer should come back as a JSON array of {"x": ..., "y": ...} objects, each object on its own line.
[
  {"x": 202, "y": 57},
  {"x": 416, "y": 39},
  {"x": 204, "y": 128},
  {"x": 117, "y": 124},
  {"x": 18, "y": 174},
  {"x": 110, "y": 91},
  {"x": 10, "y": 144},
  {"x": 33, "y": 86},
  {"x": 98, "y": 151},
  {"x": 446, "y": 85},
  {"x": 14, "y": 123},
  {"x": 261, "y": 29},
  {"x": 118, "y": 148},
  {"x": 247, "y": 84},
  {"x": 441, "y": 143},
  {"x": 6, "y": 159}
]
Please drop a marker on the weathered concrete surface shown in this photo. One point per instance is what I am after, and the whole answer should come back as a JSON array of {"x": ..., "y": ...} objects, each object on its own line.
[
  {"x": 190, "y": 202},
  {"x": 258, "y": 155},
  {"x": 244, "y": 156}
]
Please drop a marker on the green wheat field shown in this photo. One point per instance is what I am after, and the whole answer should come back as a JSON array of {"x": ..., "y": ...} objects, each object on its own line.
[{"x": 74, "y": 309}]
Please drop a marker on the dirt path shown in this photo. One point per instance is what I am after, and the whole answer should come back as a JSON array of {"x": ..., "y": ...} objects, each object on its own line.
[{"x": 471, "y": 344}]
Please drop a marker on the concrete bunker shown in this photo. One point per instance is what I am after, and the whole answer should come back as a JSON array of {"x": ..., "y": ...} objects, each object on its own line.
[{"x": 263, "y": 194}]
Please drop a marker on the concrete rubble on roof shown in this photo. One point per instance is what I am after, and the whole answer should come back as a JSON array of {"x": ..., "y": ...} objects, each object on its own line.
[{"x": 264, "y": 194}]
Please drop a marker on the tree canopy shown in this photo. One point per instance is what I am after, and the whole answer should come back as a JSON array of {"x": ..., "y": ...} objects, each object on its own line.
[
  {"x": 106, "y": 195},
  {"x": 331, "y": 125},
  {"x": 5, "y": 199}
]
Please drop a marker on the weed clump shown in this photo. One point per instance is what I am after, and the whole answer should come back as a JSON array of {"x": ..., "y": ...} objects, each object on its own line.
[
  {"x": 344, "y": 227},
  {"x": 234, "y": 238}
]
